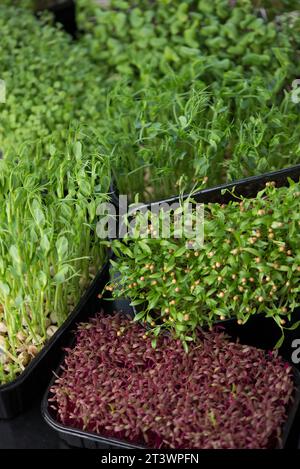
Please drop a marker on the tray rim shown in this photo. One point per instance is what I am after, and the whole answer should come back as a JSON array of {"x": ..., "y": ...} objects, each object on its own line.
[{"x": 65, "y": 430}]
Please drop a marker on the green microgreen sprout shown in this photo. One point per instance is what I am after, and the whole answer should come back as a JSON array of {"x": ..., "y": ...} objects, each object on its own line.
[{"x": 248, "y": 265}]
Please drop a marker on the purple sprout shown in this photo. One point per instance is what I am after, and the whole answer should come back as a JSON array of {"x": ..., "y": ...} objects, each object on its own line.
[{"x": 220, "y": 394}]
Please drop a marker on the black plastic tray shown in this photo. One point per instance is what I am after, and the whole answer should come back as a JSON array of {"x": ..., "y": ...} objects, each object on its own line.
[
  {"x": 64, "y": 13},
  {"x": 16, "y": 397},
  {"x": 268, "y": 330},
  {"x": 248, "y": 187},
  {"x": 258, "y": 331},
  {"x": 81, "y": 439}
]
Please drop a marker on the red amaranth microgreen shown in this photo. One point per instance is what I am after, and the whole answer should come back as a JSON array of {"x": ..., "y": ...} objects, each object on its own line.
[{"x": 219, "y": 395}]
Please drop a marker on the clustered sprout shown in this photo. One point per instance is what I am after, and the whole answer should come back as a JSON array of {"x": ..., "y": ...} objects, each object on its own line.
[
  {"x": 50, "y": 83},
  {"x": 220, "y": 395},
  {"x": 49, "y": 250},
  {"x": 248, "y": 265},
  {"x": 196, "y": 88},
  {"x": 168, "y": 90},
  {"x": 52, "y": 178},
  {"x": 144, "y": 40}
]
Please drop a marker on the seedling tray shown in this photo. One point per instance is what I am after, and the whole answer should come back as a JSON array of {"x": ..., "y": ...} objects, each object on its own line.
[
  {"x": 264, "y": 330},
  {"x": 248, "y": 187},
  {"x": 259, "y": 331},
  {"x": 81, "y": 439},
  {"x": 64, "y": 13},
  {"x": 15, "y": 397}
]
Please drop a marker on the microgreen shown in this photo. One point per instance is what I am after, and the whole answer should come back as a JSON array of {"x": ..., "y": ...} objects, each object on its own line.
[
  {"x": 143, "y": 72},
  {"x": 159, "y": 55},
  {"x": 167, "y": 95},
  {"x": 49, "y": 82},
  {"x": 248, "y": 265},
  {"x": 220, "y": 395},
  {"x": 48, "y": 246},
  {"x": 151, "y": 38}
]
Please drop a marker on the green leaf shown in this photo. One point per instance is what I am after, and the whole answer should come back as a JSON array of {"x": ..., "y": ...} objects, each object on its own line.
[
  {"x": 154, "y": 343},
  {"x": 153, "y": 302},
  {"x": 52, "y": 150},
  {"x": 4, "y": 289},
  {"x": 137, "y": 302},
  {"x": 43, "y": 279},
  {"x": 127, "y": 252},
  {"x": 168, "y": 244},
  {"x": 183, "y": 121},
  {"x": 61, "y": 275},
  {"x": 14, "y": 253},
  {"x": 188, "y": 339},
  {"x": 38, "y": 214},
  {"x": 85, "y": 187},
  {"x": 78, "y": 150},
  {"x": 293, "y": 327},
  {"x": 139, "y": 316},
  {"x": 253, "y": 251},
  {"x": 280, "y": 341},
  {"x": 144, "y": 247},
  {"x": 45, "y": 244},
  {"x": 180, "y": 251},
  {"x": 180, "y": 317},
  {"x": 19, "y": 300},
  {"x": 62, "y": 246},
  {"x": 170, "y": 266}
]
